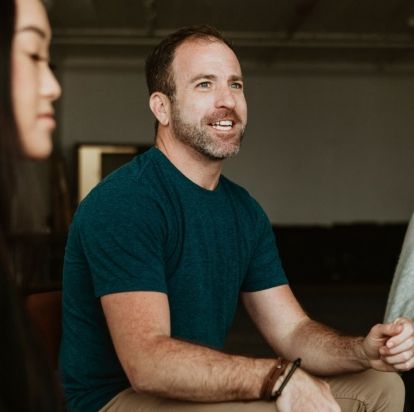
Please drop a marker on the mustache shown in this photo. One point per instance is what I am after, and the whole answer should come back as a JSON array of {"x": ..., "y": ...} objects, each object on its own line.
[{"x": 222, "y": 114}]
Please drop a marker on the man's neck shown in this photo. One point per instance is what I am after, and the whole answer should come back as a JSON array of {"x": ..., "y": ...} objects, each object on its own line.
[{"x": 201, "y": 170}]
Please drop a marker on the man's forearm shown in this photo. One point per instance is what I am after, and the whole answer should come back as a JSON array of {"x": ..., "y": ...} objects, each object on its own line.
[
  {"x": 323, "y": 350},
  {"x": 182, "y": 370}
]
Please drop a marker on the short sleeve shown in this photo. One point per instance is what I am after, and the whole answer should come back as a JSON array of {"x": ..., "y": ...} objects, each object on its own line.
[
  {"x": 122, "y": 237},
  {"x": 265, "y": 269}
]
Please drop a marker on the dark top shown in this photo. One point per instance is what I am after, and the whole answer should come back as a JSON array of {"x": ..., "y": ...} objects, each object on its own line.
[{"x": 147, "y": 227}]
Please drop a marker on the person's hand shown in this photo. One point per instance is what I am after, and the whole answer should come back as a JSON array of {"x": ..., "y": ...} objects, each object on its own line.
[
  {"x": 304, "y": 392},
  {"x": 390, "y": 346}
]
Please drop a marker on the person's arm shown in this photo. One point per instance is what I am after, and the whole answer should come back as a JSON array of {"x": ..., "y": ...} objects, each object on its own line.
[
  {"x": 323, "y": 351},
  {"x": 156, "y": 363},
  {"x": 292, "y": 334}
]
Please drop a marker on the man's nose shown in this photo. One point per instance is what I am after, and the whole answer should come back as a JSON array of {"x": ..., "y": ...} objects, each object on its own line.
[{"x": 225, "y": 98}]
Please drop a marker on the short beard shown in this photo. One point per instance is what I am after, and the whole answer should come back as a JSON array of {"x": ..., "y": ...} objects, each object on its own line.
[{"x": 200, "y": 140}]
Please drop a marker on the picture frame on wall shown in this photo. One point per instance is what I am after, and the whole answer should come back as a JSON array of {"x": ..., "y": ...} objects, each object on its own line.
[{"x": 95, "y": 161}]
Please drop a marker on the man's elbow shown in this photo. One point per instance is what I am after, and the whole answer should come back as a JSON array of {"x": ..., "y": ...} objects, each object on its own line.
[
  {"x": 143, "y": 379},
  {"x": 145, "y": 369}
]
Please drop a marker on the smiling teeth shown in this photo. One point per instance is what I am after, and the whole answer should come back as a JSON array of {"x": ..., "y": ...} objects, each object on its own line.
[{"x": 223, "y": 124}]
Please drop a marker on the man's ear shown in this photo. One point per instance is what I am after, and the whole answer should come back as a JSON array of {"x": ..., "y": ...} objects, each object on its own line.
[{"x": 160, "y": 105}]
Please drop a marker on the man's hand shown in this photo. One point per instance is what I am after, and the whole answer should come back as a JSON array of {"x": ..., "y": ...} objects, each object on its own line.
[
  {"x": 390, "y": 346},
  {"x": 306, "y": 393}
]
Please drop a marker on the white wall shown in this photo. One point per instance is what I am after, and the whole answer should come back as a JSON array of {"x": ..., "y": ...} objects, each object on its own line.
[{"x": 324, "y": 145}]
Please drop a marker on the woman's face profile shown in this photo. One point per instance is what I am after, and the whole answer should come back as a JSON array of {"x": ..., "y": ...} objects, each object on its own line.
[{"x": 34, "y": 87}]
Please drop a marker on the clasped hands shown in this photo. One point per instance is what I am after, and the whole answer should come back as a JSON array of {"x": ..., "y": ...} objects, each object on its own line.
[
  {"x": 387, "y": 347},
  {"x": 390, "y": 346}
]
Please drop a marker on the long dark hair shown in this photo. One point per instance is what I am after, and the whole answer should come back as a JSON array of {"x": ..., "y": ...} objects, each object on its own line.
[
  {"x": 26, "y": 383},
  {"x": 9, "y": 142}
]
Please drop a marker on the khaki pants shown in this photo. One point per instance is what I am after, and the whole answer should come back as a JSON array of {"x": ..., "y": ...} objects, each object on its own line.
[{"x": 366, "y": 391}]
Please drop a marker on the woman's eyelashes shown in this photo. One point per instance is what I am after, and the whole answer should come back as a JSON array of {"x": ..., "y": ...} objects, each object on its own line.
[{"x": 37, "y": 57}]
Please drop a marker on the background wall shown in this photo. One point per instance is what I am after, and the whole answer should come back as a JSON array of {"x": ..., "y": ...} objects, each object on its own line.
[{"x": 324, "y": 143}]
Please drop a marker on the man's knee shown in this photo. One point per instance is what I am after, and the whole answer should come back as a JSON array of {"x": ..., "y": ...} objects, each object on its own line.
[
  {"x": 385, "y": 390},
  {"x": 369, "y": 391},
  {"x": 395, "y": 388}
]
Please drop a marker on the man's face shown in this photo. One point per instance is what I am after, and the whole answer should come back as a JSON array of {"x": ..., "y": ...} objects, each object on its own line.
[{"x": 209, "y": 111}]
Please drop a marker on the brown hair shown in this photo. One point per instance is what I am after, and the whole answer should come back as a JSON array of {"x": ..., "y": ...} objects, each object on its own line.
[{"x": 158, "y": 65}]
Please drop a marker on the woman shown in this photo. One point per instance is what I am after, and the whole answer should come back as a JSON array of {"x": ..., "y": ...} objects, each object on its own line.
[{"x": 27, "y": 90}]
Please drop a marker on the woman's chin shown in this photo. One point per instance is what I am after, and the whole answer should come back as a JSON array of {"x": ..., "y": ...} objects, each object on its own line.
[{"x": 38, "y": 145}]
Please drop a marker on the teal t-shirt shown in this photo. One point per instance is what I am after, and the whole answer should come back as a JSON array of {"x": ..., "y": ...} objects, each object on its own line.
[{"x": 147, "y": 227}]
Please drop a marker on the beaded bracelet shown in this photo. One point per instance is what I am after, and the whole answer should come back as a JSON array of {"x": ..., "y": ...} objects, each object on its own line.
[{"x": 295, "y": 365}]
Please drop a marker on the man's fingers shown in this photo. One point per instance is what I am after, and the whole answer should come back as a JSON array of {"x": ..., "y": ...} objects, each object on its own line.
[
  {"x": 398, "y": 349},
  {"x": 386, "y": 330},
  {"x": 406, "y": 333}
]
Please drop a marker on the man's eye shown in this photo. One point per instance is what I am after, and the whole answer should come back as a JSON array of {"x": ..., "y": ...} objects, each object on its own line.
[
  {"x": 204, "y": 85},
  {"x": 237, "y": 86}
]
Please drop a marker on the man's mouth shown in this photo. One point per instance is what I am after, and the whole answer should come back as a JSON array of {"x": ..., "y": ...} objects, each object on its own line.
[{"x": 223, "y": 125}]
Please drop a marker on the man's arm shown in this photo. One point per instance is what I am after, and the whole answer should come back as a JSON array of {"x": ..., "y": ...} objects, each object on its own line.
[
  {"x": 292, "y": 334},
  {"x": 139, "y": 323},
  {"x": 155, "y": 363}
]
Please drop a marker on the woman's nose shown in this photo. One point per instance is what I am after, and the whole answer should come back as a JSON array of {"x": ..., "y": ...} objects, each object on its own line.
[{"x": 50, "y": 87}]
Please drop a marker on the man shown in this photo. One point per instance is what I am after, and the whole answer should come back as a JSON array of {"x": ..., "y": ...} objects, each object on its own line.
[{"x": 159, "y": 253}]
